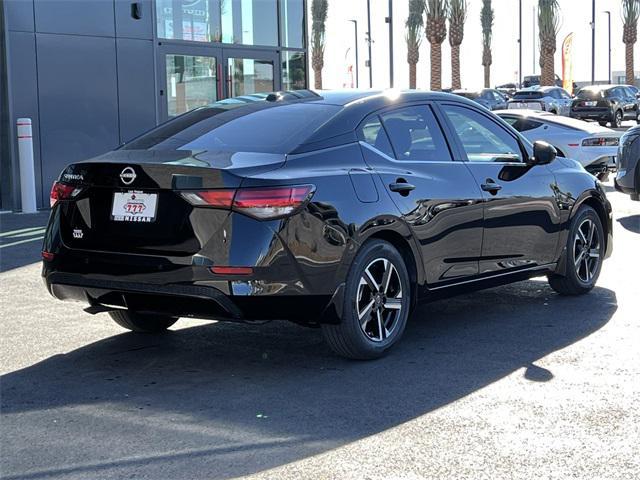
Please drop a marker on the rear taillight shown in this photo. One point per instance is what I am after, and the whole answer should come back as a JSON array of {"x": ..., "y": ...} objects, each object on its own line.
[
  {"x": 261, "y": 203},
  {"x": 210, "y": 198},
  {"x": 62, "y": 191},
  {"x": 600, "y": 142}
]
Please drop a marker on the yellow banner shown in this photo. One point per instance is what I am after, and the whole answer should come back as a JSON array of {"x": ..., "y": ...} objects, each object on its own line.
[{"x": 567, "y": 63}]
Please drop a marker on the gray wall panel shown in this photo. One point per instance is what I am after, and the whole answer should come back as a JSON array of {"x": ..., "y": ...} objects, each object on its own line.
[
  {"x": 78, "y": 99},
  {"x": 79, "y": 17},
  {"x": 127, "y": 26},
  {"x": 24, "y": 89},
  {"x": 135, "y": 87},
  {"x": 19, "y": 14}
]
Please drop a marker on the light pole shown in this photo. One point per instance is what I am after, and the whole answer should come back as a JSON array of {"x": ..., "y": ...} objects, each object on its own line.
[
  {"x": 369, "y": 42},
  {"x": 389, "y": 20},
  {"x": 355, "y": 38},
  {"x": 609, "y": 21},
  {"x": 593, "y": 41},
  {"x": 533, "y": 29},
  {"x": 520, "y": 45}
]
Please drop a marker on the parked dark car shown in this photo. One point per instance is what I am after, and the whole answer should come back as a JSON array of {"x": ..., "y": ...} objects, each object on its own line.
[
  {"x": 606, "y": 104},
  {"x": 547, "y": 99},
  {"x": 534, "y": 80},
  {"x": 489, "y": 98},
  {"x": 507, "y": 89},
  {"x": 628, "y": 176},
  {"x": 335, "y": 209}
]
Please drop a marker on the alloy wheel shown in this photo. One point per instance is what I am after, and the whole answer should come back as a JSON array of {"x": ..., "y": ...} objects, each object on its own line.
[
  {"x": 586, "y": 250},
  {"x": 379, "y": 300}
]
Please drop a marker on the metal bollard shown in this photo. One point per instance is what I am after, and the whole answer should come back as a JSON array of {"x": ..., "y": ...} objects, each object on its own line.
[{"x": 27, "y": 170}]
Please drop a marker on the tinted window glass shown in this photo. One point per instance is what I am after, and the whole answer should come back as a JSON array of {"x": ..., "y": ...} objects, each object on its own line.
[
  {"x": 524, "y": 95},
  {"x": 482, "y": 139},
  {"x": 415, "y": 134},
  {"x": 248, "y": 128},
  {"x": 294, "y": 70},
  {"x": 292, "y": 23},
  {"x": 513, "y": 121},
  {"x": 529, "y": 124},
  {"x": 372, "y": 133}
]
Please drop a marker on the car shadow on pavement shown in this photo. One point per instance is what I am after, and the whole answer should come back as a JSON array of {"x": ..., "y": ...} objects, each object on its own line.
[
  {"x": 631, "y": 223},
  {"x": 225, "y": 400}
]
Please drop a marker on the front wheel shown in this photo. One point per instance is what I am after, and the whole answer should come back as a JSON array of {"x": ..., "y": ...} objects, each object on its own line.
[
  {"x": 142, "y": 322},
  {"x": 585, "y": 252},
  {"x": 376, "y": 306}
]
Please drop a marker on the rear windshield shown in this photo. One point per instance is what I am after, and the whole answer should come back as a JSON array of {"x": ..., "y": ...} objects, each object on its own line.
[
  {"x": 527, "y": 95},
  {"x": 260, "y": 127},
  {"x": 589, "y": 94}
]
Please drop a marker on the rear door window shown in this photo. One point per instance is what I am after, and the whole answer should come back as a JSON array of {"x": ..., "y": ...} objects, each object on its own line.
[
  {"x": 482, "y": 139},
  {"x": 372, "y": 132},
  {"x": 415, "y": 134}
]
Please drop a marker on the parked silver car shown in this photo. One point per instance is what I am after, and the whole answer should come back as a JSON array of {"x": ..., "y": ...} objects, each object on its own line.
[{"x": 548, "y": 99}]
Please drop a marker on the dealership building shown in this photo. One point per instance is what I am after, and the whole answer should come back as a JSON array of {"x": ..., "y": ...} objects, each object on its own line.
[{"x": 92, "y": 74}]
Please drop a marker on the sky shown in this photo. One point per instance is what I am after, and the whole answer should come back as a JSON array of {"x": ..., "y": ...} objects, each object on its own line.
[{"x": 575, "y": 17}]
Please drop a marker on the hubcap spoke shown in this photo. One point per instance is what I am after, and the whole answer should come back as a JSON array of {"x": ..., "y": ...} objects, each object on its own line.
[
  {"x": 366, "y": 313},
  {"x": 393, "y": 304},
  {"x": 592, "y": 229},
  {"x": 373, "y": 285},
  {"x": 381, "y": 327},
  {"x": 386, "y": 277}
]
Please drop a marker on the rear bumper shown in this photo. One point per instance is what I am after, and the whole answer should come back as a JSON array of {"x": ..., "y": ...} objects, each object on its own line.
[
  {"x": 595, "y": 114},
  {"x": 187, "y": 300}
]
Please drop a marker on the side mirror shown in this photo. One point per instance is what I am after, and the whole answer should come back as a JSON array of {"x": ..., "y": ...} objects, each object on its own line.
[{"x": 543, "y": 153}]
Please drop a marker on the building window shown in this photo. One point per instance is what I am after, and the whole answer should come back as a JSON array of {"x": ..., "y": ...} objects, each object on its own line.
[
  {"x": 196, "y": 20},
  {"x": 292, "y": 23},
  {"x": 294, "y": 70},
  {"x": 249, "y": 22},
  {"x": 191, "y": 83},
  {"x": 247, "y": 76}
]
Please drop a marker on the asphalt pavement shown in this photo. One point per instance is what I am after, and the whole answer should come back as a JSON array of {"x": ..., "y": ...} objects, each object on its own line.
[{"x": 514, "y": 382}]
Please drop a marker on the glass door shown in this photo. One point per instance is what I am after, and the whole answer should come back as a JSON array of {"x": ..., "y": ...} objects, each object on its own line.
[
  {"x": 251, "y": 71},
  {"x": 189, "y": 77}
]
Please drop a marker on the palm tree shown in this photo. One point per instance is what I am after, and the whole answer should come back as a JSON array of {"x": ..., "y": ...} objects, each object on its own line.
[
  {"x": 413, "y": 36},
  {"x": 319, "y": 10},
  {"x": 548, "y": 24},
  {"x": 486, "y": 19},
  {"x": 436, "y": 33},
  {"x": 630, "y": 14},
  {"x": 457, "y": 17}
]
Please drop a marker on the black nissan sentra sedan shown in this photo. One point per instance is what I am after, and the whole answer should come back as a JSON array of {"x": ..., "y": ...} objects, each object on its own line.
[{"x": 339, "y": 209}]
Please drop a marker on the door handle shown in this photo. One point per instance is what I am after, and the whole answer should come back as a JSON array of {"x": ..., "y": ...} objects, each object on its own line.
[
  {"x": 401, "y": 187},
  {"x": 491, "y": 186}
]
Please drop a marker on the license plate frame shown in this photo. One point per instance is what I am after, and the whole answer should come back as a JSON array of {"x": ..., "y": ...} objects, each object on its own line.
[
  {"x": 134, "y": 206},
  {"x": 590, "y": 103}
]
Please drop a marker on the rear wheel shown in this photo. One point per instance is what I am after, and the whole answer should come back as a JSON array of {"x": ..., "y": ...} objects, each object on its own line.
[
  {"x": 585, "y": 251},
  {"x": 142, "y": 322},
  {"x": 616, "y": 119},
  {"x": 376, "y": 306},
  {"x": 602, "y": 123}
]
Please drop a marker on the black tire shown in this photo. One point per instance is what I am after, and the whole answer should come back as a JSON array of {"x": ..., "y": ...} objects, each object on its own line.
[
  {"x": 576, "y": 281},
  {"x": 142, "y": 322},
  {"x": 364, "y": 340},
  {"x": 616, "y": 119},
  {"x": 602, "y": 123}
]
